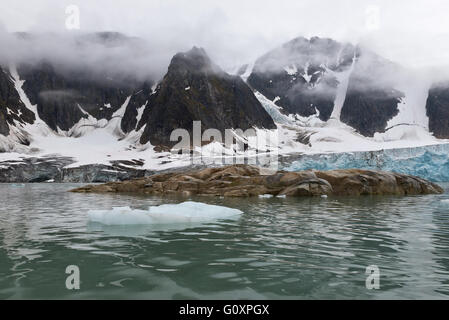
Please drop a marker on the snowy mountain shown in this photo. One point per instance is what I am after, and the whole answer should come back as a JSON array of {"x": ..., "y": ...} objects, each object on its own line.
[
  {"x": 314, "y": 95},
  {"x": 301, "y": 76},
  {"x": 326, "y": 79},
  {"x": 193, "y": 89},
  {"x": 341, "y": 97}
]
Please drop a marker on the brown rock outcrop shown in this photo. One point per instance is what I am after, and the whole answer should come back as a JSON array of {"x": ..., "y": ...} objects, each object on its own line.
[{"x": 246, "y": 180}]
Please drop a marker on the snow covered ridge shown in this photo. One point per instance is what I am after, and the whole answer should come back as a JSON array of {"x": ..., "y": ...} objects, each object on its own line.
[
  {"x": 320, "y": 75},
  {"x": 182, "y": 213}
]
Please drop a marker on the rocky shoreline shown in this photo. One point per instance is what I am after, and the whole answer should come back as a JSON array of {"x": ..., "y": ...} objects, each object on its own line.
[{"x": 246, "y": 181}]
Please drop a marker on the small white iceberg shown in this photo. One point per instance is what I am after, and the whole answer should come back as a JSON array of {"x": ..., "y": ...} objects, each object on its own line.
[
  {"x": 186, "y": 212},
  {"x": 265, "y": 196}
]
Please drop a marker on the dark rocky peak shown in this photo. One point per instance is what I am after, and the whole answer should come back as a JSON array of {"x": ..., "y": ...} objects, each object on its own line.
[
  {"x": 303, "y": 76},
  {"x": 195, "y": 89},
  {"x": 299, "y": 75},
  {"x": 195, "y": 60}
]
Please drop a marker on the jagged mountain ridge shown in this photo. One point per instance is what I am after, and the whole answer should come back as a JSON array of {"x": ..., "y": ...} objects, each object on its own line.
[
  {"x": 74, "y": 101},
  {"x": 304, "y": 77}
]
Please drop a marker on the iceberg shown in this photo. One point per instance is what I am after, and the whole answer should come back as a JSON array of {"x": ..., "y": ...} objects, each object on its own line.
[
  {"x": 428, "y": 162},
  {"x": 186, "y": 212}
]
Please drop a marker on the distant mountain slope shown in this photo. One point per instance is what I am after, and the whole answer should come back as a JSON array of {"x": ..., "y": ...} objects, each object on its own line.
[
  {"x": 62, "y": 100},
  {"x": 300, "y": 75},
  {"x": 323, "y": 78}
]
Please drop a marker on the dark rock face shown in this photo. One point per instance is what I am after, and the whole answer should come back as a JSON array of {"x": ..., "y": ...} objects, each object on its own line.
[
  {"x": 437, "y": 108},
  {"x": 59, "y": 97},
  {"x": 65, "y": 90},
  {"x": 137, "y": 101},
  {"x": 369, "y": 112},
  {"x": 11, "y": 107},
  {"x": 371, "y": 99},
  {"x": 196, "y": 89},
  {"x": 300, "y": 74},
  {"x": 246, "y": 180}
]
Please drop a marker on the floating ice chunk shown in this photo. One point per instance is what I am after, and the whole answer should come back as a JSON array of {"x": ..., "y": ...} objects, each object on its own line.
[
  {"x": 186, "y": 212},
  {"x": 282, "y": 196},
  {"x": 265, "y": 196}
]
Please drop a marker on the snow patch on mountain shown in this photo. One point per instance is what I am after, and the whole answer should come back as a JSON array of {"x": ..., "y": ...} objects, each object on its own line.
[{"x": 343, "y": 82}]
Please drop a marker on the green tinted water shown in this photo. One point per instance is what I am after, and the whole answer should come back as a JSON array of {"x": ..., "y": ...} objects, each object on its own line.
[{"x": 279, "y": 248}]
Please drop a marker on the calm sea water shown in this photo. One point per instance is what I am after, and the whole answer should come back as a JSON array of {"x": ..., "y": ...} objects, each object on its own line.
[{"x": 279, "y": 248}]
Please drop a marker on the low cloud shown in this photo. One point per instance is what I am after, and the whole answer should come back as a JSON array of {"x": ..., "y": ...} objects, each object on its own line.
[
  {"x": 234, "y": 32},
  {"x": 58, "y": 95}
]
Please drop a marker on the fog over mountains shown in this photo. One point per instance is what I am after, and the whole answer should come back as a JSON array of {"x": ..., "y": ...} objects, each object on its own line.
[{"x": 105, "y": 91}]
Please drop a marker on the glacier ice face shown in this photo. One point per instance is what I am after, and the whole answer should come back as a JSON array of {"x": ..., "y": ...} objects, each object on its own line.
[
  {"x": 429, "y": 162},
  {"x": 186, "y": 212}
]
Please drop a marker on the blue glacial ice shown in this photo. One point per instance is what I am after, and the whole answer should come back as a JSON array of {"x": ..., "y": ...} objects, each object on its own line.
[{"x": 429, "y": 162}]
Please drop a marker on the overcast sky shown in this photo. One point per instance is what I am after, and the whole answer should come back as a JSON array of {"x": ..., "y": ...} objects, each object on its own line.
[{"x": 413, "y": 32}]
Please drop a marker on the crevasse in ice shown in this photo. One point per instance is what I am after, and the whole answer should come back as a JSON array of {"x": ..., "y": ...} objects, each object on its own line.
[{"x": 429, "y": 162}]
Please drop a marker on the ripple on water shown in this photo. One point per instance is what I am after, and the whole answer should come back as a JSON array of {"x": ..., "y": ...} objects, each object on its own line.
[{"x": 279, "y": 248}]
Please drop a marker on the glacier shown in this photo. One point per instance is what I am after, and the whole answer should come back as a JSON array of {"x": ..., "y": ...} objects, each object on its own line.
[{"x": 428, "y": 162}]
